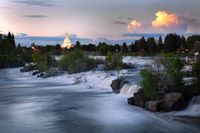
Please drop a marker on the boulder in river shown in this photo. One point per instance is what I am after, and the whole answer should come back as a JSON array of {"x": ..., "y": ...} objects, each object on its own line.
[
  {"x": 42, "y": 75},
  {"x": 138, "y": 99},
  {"x": 35, "y": 72},
  {"x": 117, "y": 84},
  {"x": 172, "y": 101},
  {"x": 152, "y": 105}
]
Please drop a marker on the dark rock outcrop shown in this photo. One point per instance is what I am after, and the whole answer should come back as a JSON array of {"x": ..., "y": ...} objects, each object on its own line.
[
  {"x": 42, "y": 75},
  {"x": 117, "y": 84},
  {"x": 172, "y": 101},
  {"x": 169, "y": 102},
  {"x": 138, "y": 99},
  {"x": 35, "y": 72}
]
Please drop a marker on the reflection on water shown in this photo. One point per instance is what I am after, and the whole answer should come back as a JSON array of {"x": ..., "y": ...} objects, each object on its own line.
[{"x": 29, "y": 105}]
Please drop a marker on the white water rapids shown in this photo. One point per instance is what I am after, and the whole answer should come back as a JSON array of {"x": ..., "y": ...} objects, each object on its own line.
[{"x": 81, "y": 103}]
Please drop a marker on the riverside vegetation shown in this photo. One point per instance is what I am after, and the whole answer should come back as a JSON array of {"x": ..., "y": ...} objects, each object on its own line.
[{"x": 163, "y": 87}]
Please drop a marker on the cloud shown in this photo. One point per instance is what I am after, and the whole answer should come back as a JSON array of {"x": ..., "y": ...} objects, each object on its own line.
[
  {"x": 193, "y": 25},
  {"x": 117, "y": 22},
  {"x": 169, "y": 22},
  {"x": 40, "y": 3},
  {"x": 34, "y": 16},
  {"x": 134, "y": 26}
]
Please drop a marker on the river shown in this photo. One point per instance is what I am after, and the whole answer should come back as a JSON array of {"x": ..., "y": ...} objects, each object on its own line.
[{"x": 61, "y": 105}]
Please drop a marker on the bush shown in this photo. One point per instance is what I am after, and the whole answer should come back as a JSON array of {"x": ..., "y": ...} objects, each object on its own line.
[
  {"x": 196, "y": 75},
  {"x": 149, "y": 84},
  {"x": 165, "y": 76},
  {"x": 173, "y": 66},
  {"x": 75, "y": 61},
  {"x": 114, "y": 61},
  {"x": 40, "y": 61}
]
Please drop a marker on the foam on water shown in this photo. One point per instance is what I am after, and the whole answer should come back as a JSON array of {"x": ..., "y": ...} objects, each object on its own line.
[
  {"x": 128, "y": 89},
  {"x": 193, "y": 108}
]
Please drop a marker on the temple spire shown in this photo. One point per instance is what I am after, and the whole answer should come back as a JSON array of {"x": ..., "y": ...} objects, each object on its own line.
[{"x": 67, "y": 44}]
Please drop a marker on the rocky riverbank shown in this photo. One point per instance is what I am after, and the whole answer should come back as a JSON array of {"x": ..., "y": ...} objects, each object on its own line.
[
  {"x": 40, "y": 74},
  {"x": 170, "y": 101}
]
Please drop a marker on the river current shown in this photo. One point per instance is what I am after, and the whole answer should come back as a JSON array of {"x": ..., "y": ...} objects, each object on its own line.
[{"x": 80, "y": 103}]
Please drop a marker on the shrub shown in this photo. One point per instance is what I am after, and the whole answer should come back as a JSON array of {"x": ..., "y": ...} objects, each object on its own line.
[
  {"x": 40, "y": 61},
  {"x": 173, "y": 66},
  {"x": 114, "y": 61},
  {"x": 196, "y": 74},
  {"x": 164, "y": 76},
  {"x": 149, "y": 84},
  {"x": 75, "y": 61}
]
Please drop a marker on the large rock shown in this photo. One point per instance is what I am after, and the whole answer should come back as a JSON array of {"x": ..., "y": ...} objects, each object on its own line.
[
  {"x": 131, "y": 101},
  {"x": 42, "y": 75},
  {"x": 35, "y": 72},
  {"x": 117, "y": 84},
  {"x": 138, "y": 99},
  {"x": 152, "y": 105},
  {"x": 172, "y": 101}
]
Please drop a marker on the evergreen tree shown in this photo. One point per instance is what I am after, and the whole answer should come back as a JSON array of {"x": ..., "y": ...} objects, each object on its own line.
[
  {"x": 133, "y": 47},
  {"x": 9, "y": 36},
  {"x": 13, "y": 40},
  {"x": 172, "y": 42},
  {"x": 191, "y": 40},
  {"x": 183, "y": 43},
  {"x": 117, "y": 48},
  {"x": 160, "y": 45},
  {"x": 142, "y": 44},
  {"x": 124, "y": 47},
  {"x": 78, "y": 44},
  {"x": 151, "y": 45}
]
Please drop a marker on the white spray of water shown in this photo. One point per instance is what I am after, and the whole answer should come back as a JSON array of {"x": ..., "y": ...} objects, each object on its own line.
[
  {"x": 194, "y": 106},
  {"x": 128, "y": 89}
]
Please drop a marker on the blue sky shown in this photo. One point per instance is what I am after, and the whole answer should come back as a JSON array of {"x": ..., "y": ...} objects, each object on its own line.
[{"x": 97, "y": 19}]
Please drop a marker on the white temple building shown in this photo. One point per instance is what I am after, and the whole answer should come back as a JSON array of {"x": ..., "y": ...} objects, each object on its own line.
[{"x": 67, "y": 44}]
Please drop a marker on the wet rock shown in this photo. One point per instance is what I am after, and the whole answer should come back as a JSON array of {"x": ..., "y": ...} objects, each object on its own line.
[
  {"x": 131, "y": 101},
  {"x": 152, "y": 105},
  {"x": 35, "y": 72},
  {"x": 128, "y": 66},
  {"x": 172, "y": 101},
  {"x": 138, "y": 99},
  {"x": 117, "y": 84},
  {"x": 42, "y": 75}
]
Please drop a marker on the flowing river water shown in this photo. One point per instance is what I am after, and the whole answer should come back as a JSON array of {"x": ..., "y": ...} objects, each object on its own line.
[{"x": 63, "y": 105}]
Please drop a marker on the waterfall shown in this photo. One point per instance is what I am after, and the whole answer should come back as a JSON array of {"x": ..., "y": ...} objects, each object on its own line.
[
  {"x": 107, "y": 82},
  {"x": 128, "y": 89},
  {"x": 194, "y": 106}
]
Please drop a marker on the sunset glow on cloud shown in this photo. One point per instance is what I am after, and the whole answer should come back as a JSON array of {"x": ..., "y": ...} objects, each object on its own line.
[
  {"x": 169, "y": 22},
  {"x": 133, "y": 26},
  {"x": 93, "y": 19}
]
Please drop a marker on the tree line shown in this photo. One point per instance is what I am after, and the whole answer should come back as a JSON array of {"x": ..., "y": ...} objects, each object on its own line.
[
  {"x": 150, "y": 46},
  {"x": 17, "y": 55}
]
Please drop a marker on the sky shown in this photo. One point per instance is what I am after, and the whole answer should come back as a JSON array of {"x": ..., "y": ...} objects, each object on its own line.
[{"x": 99, "y": 19}]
